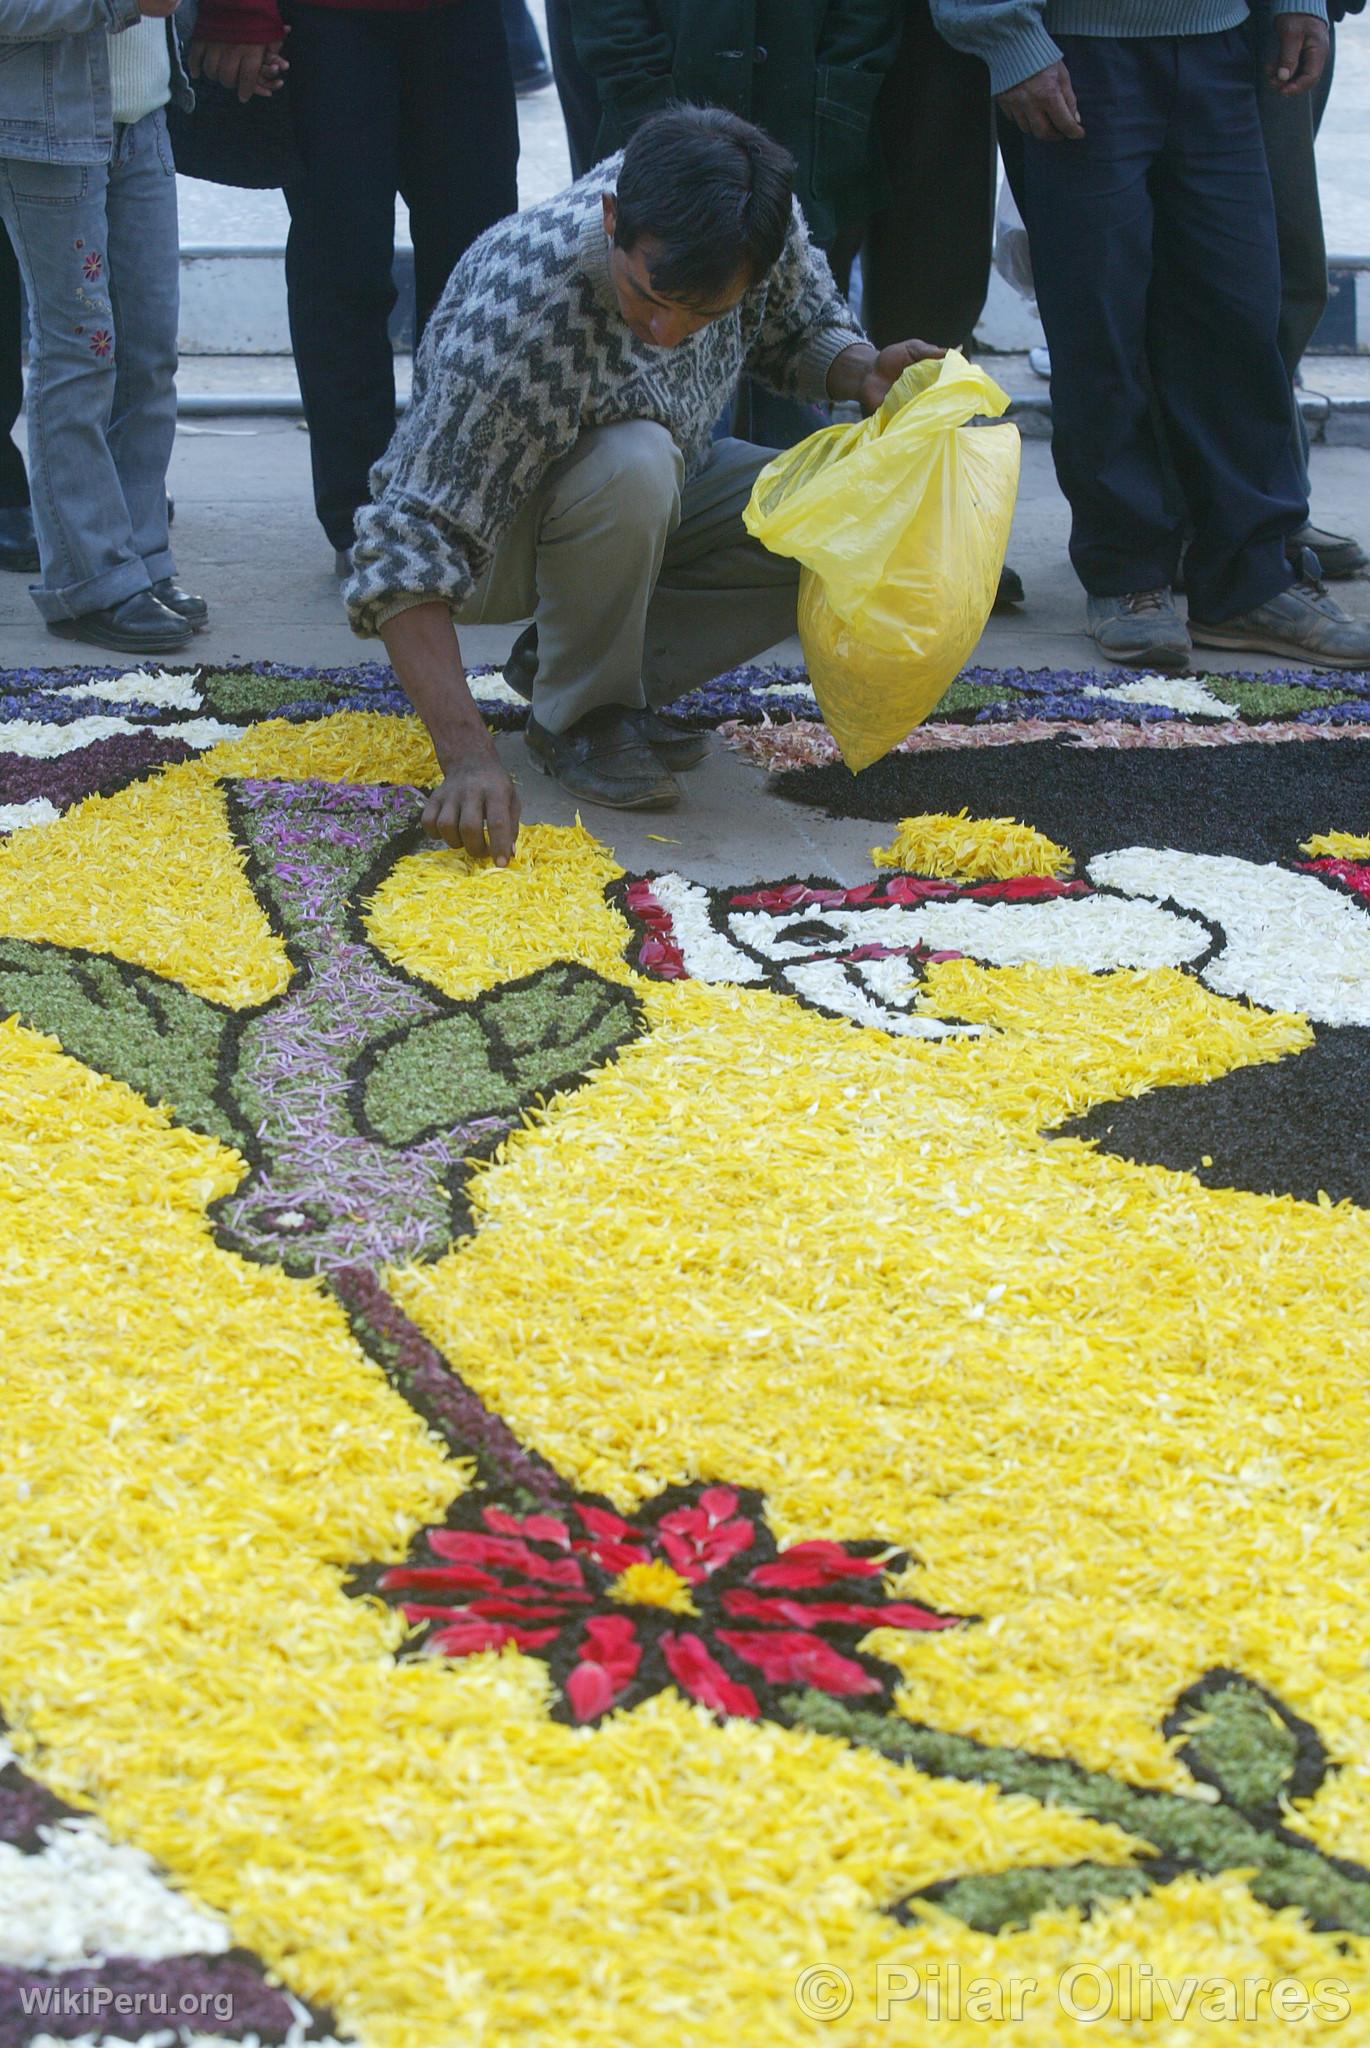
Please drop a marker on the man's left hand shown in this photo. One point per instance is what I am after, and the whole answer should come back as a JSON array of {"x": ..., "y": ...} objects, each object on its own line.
[
  {"x": 1301, "y": 47},
  {"x": 866, "y": 374}
]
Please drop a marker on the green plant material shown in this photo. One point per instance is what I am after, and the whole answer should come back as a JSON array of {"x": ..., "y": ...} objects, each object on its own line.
[
  {"x": 1268, "y": 700},
  {"x": 1187, "y": 1832},
  {"x": 528, "y": 1039},
  {"x": 1238, "y": 1742},
  {"x": 124, "y": 1021},
  {"x": 965, "y": 696}
]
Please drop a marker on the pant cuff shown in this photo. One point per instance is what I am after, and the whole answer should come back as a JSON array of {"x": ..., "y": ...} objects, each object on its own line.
[{"x": 96, "y": 594}]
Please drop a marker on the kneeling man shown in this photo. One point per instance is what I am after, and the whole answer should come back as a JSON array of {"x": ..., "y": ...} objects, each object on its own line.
[{"x": 556, "y": 462}]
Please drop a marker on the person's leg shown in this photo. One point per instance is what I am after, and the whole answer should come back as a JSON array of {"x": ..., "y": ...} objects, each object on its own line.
[
  {"x": 14, "y": 483},
  {"x": 576, "y": 89},
  {"x": 721, "y": 598},
  {"x": 527, "y": 54},
  {"x": 1089, "y": 213},
  {"x": 144, "y": 289},
  {"x": 925, "y": 265},
  {"x": 344, "y": 90},
  {"x": 458, "y": 128},
  {"x": 56, "y": 217},
  {"x": 1212, "y": 341}
]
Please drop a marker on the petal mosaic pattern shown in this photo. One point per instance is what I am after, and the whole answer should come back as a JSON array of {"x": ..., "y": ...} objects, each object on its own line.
[{"x": 585, "y": 1459}]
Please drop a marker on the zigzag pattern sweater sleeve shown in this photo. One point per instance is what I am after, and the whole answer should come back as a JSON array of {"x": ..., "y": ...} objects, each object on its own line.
[{"x": 525, "y": 350}]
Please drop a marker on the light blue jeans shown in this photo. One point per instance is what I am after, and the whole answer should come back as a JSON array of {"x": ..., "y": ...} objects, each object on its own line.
[{"x": 99, "y": 251}]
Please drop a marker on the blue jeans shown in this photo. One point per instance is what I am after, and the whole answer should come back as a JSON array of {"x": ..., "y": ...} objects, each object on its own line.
[
  {"x": 98, "y": 248},
  {"x": 1155, "y": 260}
]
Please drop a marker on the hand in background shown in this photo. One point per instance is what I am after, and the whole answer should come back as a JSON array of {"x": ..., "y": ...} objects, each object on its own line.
[
  {"x": 252, "y": 70},
  {"x": 1301, "y": 47},
  {"x": 1044, "y": 106}
]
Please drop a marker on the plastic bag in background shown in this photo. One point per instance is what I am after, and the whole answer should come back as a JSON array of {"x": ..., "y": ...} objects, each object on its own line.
[
  {"x": 1012, "y": 252},
  {"x": 900, "y": 523}
]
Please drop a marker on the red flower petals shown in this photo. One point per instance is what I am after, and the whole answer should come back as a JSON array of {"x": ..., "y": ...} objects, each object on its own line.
[
  {"x": 466, "y": 1546},
  {"x": 609, "y": 1658},
  {"x": 544, "y": 1582},
  {"x": 705, "y": 1680},
  {"x": 463, "y": 1638},
  {"x": 791, "y": 1657},
  {"x": 699, "y": 1541},
  {"x": 819, "y": 1563}
]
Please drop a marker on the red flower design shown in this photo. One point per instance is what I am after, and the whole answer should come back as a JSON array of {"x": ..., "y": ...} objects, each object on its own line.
[
  {"x": 93, "y": 266},
  {"x": 101, "y": 341},
  {"x": 690, "y": 1593}
]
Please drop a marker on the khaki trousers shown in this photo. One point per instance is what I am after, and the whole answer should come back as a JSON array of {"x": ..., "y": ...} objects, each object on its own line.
[{"x": 641, "y": 585}]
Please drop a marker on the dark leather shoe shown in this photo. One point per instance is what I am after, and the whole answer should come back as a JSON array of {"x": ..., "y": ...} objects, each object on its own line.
[
  {"x": 672, "y": 744},
  {"x": 603, "y": 760},
  {"x": 1010, "y": 591},
  {"x": 522, "y": 666},
  {"x": 192, "y": 609},
  {"x": 140, "y": 625},
  {"x": 18, "y": 547}
]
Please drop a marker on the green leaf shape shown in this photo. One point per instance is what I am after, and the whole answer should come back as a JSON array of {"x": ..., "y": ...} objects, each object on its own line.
[
  {"x": 1237, "y": 1740},
  {"x": 1269, "y": 700},
  {"x": 966, "y": 696},
  {"x": 1192, "y": 1833},
  {"x": 157, "y": 1037},
  {"x": 517, "y": 1042},
  {"x": 1009, "y": 1898},
  {"x": 242, "y": 694}
]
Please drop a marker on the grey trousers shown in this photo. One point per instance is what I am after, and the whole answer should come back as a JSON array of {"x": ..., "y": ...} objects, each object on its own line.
[{"x": 641, "y": 585}]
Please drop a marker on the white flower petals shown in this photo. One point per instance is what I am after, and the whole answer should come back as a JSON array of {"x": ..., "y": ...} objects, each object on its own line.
[
  {"x": 82, "y": 1898},
  {"x": 1181, "y": 693},
  {"x": 139, "y": 686},
  {"x": 1291, "y": 942}
]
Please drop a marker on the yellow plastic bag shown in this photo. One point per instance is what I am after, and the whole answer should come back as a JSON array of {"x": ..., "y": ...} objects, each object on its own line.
[{"x": 900, "y": 525}]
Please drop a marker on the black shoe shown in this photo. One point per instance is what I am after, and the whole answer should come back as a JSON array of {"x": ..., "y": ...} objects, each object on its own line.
[
  {"x": 140, "y": 625},
  {"x": 673, "y": 746},
  {"x": 533, "y": 81},
  {"x": 1010, "y": 591},
  {"x": 18, "y": 547},
  {"x": 522, "y": 665},
  {"x": 192, "y": 609},
  {"x": 602, "y": 760}
]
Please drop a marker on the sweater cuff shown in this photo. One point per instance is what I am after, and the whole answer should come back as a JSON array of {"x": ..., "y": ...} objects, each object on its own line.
[
  {"x": 819, "y": 353},
  {"x": 1021, "y": 56},
  {"x": 367, "y": 615},
  {"x": 239, "y": 21},
  {"x": 1318, "y": 7}
]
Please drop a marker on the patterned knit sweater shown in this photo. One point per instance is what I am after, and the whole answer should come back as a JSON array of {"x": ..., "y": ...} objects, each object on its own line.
[{"x": 527, "y": 348}]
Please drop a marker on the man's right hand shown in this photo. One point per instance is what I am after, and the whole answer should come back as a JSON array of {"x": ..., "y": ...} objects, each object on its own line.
[
  {"x": 476, "y": 806},
  {"x": 1044, "y": 106}
]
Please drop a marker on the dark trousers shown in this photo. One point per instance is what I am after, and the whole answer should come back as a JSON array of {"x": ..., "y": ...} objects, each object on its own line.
[
  {"x": 416, "y": 103},
  {"x": 925, "y": 264},
  {"x": 14, "y": 483},
  {"x": 1290, "y": 129},
  {"x": 1155, "y": 262},
  {"x": 576, "y": 89}
]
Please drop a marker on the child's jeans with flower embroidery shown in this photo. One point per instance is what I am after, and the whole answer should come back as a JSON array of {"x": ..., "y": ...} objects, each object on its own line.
[{"x": 98, "y": 248}]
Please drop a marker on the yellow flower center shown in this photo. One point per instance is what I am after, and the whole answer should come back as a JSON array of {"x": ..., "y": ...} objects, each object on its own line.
[{"x": 653, "y": 1585}]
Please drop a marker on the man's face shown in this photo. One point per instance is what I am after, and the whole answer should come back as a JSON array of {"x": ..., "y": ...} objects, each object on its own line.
[{"x": 652, "y": 316}]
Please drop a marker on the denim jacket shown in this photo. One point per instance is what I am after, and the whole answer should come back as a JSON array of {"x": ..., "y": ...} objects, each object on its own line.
[{"x": 55, "y": 105}]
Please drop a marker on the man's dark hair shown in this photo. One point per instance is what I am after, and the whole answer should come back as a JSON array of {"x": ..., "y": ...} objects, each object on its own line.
[{"x": 714, "y": 191}]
